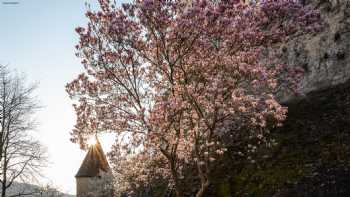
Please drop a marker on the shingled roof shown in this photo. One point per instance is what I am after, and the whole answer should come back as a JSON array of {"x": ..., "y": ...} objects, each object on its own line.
[{"x": 95, "y": 161}]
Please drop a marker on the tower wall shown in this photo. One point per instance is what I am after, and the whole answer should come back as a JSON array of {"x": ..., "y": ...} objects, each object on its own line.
[
  {"x": 99, "y": 186},
  {"x": 84, "y": 186}
]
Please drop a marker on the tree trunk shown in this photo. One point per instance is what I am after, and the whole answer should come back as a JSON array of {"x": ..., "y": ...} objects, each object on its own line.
[
  {"x": 3, "y": 189},
  {"x": 203, "y": 189},
  {"x": 178, "y": 193},
  {"x": 4, "y": 178},
  {"x": 172, "y": 161},
  {"x": 178, "y": 190}
]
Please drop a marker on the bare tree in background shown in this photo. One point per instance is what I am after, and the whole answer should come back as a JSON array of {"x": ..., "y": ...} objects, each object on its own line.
[{"x": 21, "y": 156}]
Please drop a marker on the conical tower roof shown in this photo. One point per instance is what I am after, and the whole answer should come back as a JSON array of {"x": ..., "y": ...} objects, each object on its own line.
[{"x": 95, "y": 161}]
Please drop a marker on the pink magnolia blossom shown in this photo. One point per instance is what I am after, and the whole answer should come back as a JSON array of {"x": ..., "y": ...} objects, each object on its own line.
[{"x": 179, "y": 82}]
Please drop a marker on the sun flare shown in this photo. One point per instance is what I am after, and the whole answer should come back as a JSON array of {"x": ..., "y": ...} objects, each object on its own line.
[{"x": 92, "y": 141}]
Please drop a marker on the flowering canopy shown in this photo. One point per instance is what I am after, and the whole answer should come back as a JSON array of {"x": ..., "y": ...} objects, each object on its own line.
[{"x": 180, "y": 81}]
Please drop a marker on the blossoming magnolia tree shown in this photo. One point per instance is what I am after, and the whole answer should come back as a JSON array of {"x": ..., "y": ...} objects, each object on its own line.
[{"x": 180, "y": 81}]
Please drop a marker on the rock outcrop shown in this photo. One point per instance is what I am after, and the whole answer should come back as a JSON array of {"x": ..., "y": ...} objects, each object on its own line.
[
  {"x": 312, "y": 158},
  {"x": 315, "y": 140},
  {"x": 325, "y": 56}
]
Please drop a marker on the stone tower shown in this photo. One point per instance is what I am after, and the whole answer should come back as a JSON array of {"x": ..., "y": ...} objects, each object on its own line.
[{"x": 94, "y": 177}]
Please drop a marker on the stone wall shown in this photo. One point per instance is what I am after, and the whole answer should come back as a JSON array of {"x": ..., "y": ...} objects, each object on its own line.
[
  {"x": 312, "y": 158},
  {"x": 325, "y": 56},
  {"x": 83, "y": 185},
  {"x": 99, "y": 186}
]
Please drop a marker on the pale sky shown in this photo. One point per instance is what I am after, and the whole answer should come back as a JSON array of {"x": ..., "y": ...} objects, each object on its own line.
[{"x": 37, "y": 38}]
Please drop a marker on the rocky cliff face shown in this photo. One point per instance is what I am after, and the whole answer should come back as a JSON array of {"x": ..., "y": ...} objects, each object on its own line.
[
  {"x": 312, "y": 158},
  {"x": 315, "y": 140},
  {"x": 325, "y": 56}
]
